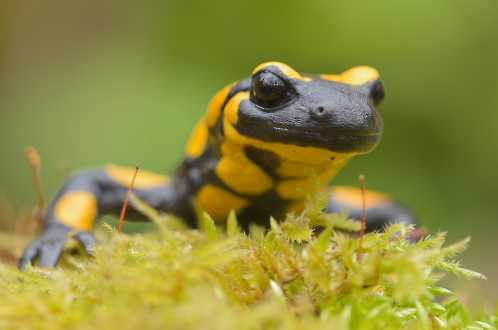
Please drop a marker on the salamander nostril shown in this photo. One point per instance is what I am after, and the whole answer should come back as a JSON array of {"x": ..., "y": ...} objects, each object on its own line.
[{"x": 320, "y": 112}]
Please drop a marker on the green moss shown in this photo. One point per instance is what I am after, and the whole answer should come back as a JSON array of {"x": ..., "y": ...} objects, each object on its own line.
[{"x": 289, "y": 277}]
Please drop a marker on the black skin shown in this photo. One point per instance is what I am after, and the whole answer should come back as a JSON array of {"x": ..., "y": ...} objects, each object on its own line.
[{"x": 323, "y": 114}]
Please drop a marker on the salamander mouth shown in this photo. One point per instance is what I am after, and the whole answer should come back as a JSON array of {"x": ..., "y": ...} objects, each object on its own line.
[
  {"x": 304, "y": 132},
  {"x": 333, "y": 140}
]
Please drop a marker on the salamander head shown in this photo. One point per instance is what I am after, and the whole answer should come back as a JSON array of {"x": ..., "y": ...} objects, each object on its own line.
[{"x": 332, "y": 114}]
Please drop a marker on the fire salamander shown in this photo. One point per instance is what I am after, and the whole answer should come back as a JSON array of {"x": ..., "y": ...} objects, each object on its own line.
[{"x": 255, "y": 151}]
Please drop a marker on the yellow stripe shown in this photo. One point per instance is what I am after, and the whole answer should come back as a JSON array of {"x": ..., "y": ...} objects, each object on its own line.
[
  {"x": 219, "y": 202},
  {"x": 144, "y": 180},
  {"x": 300, "y": 188},
  {"x": 239, "y": 173},
  {"x": 357, "y": 75},
  {"x": 197, "y": 140},
  {"x": 290, "y": 169},
  {"x": 305, "y": 155},
  {"x": 287, "y": 70},
  {"x": 214, "y": 107},
  {"x": 332, "y": 77},
  {"x": 77, "y": 210},
  {"x": 232, "y": 108}
]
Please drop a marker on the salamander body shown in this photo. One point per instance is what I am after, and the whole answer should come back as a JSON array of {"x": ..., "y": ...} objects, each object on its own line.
[{"x": 263, "y": 144}]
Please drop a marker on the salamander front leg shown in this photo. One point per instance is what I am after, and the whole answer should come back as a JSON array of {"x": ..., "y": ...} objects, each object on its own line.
[
  {"x": 75, "y": 208},
  {"x": 89, "y": 195},
  {"x": 48, "y": 248}
]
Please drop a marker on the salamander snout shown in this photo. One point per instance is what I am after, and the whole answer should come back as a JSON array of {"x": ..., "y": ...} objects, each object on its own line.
[{"x": 345, "y": 118}]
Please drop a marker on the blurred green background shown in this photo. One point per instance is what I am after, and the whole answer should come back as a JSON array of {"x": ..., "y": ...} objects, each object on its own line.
[{"x": 92, "y": 82}]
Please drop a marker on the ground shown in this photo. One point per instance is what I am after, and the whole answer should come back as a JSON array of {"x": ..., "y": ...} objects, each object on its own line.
[{"x": 292, "y": 276}]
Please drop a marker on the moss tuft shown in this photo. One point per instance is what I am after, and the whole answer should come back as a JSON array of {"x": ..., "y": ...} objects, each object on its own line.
[{"x": 289, "y": 277}]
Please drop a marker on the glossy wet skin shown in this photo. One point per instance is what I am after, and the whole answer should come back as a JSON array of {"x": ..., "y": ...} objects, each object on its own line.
[{"x": 310, "y": 111}]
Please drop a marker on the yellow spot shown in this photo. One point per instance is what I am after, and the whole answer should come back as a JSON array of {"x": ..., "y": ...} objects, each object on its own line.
[
  {"x": 291, "y": 169},
  {"x": 305, "y": 155},
  {"x": 357, "y": 75},
  {"x": 214, "y": 107},
  {"x": 287, "y": 70},
  {"x": 232, "y": 107},
  {"x": 352, "y": 196},
  {"x": 77, "y": 210},
  {"x": 294, "y": 189},
  {"x": 300, "y": 188},
  {"x": 239, "y": 173},
  {"x": 332, "y": 77},
  {"x": 197, "y": 140},
  {"x": 144, "y": 180},
  {"x": 219, "y": 202}
]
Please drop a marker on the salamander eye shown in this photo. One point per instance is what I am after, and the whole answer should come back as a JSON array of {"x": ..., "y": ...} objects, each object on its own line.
[
  {"x": 377, "y": 92},
  {"x": 269, "y": 90}
]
